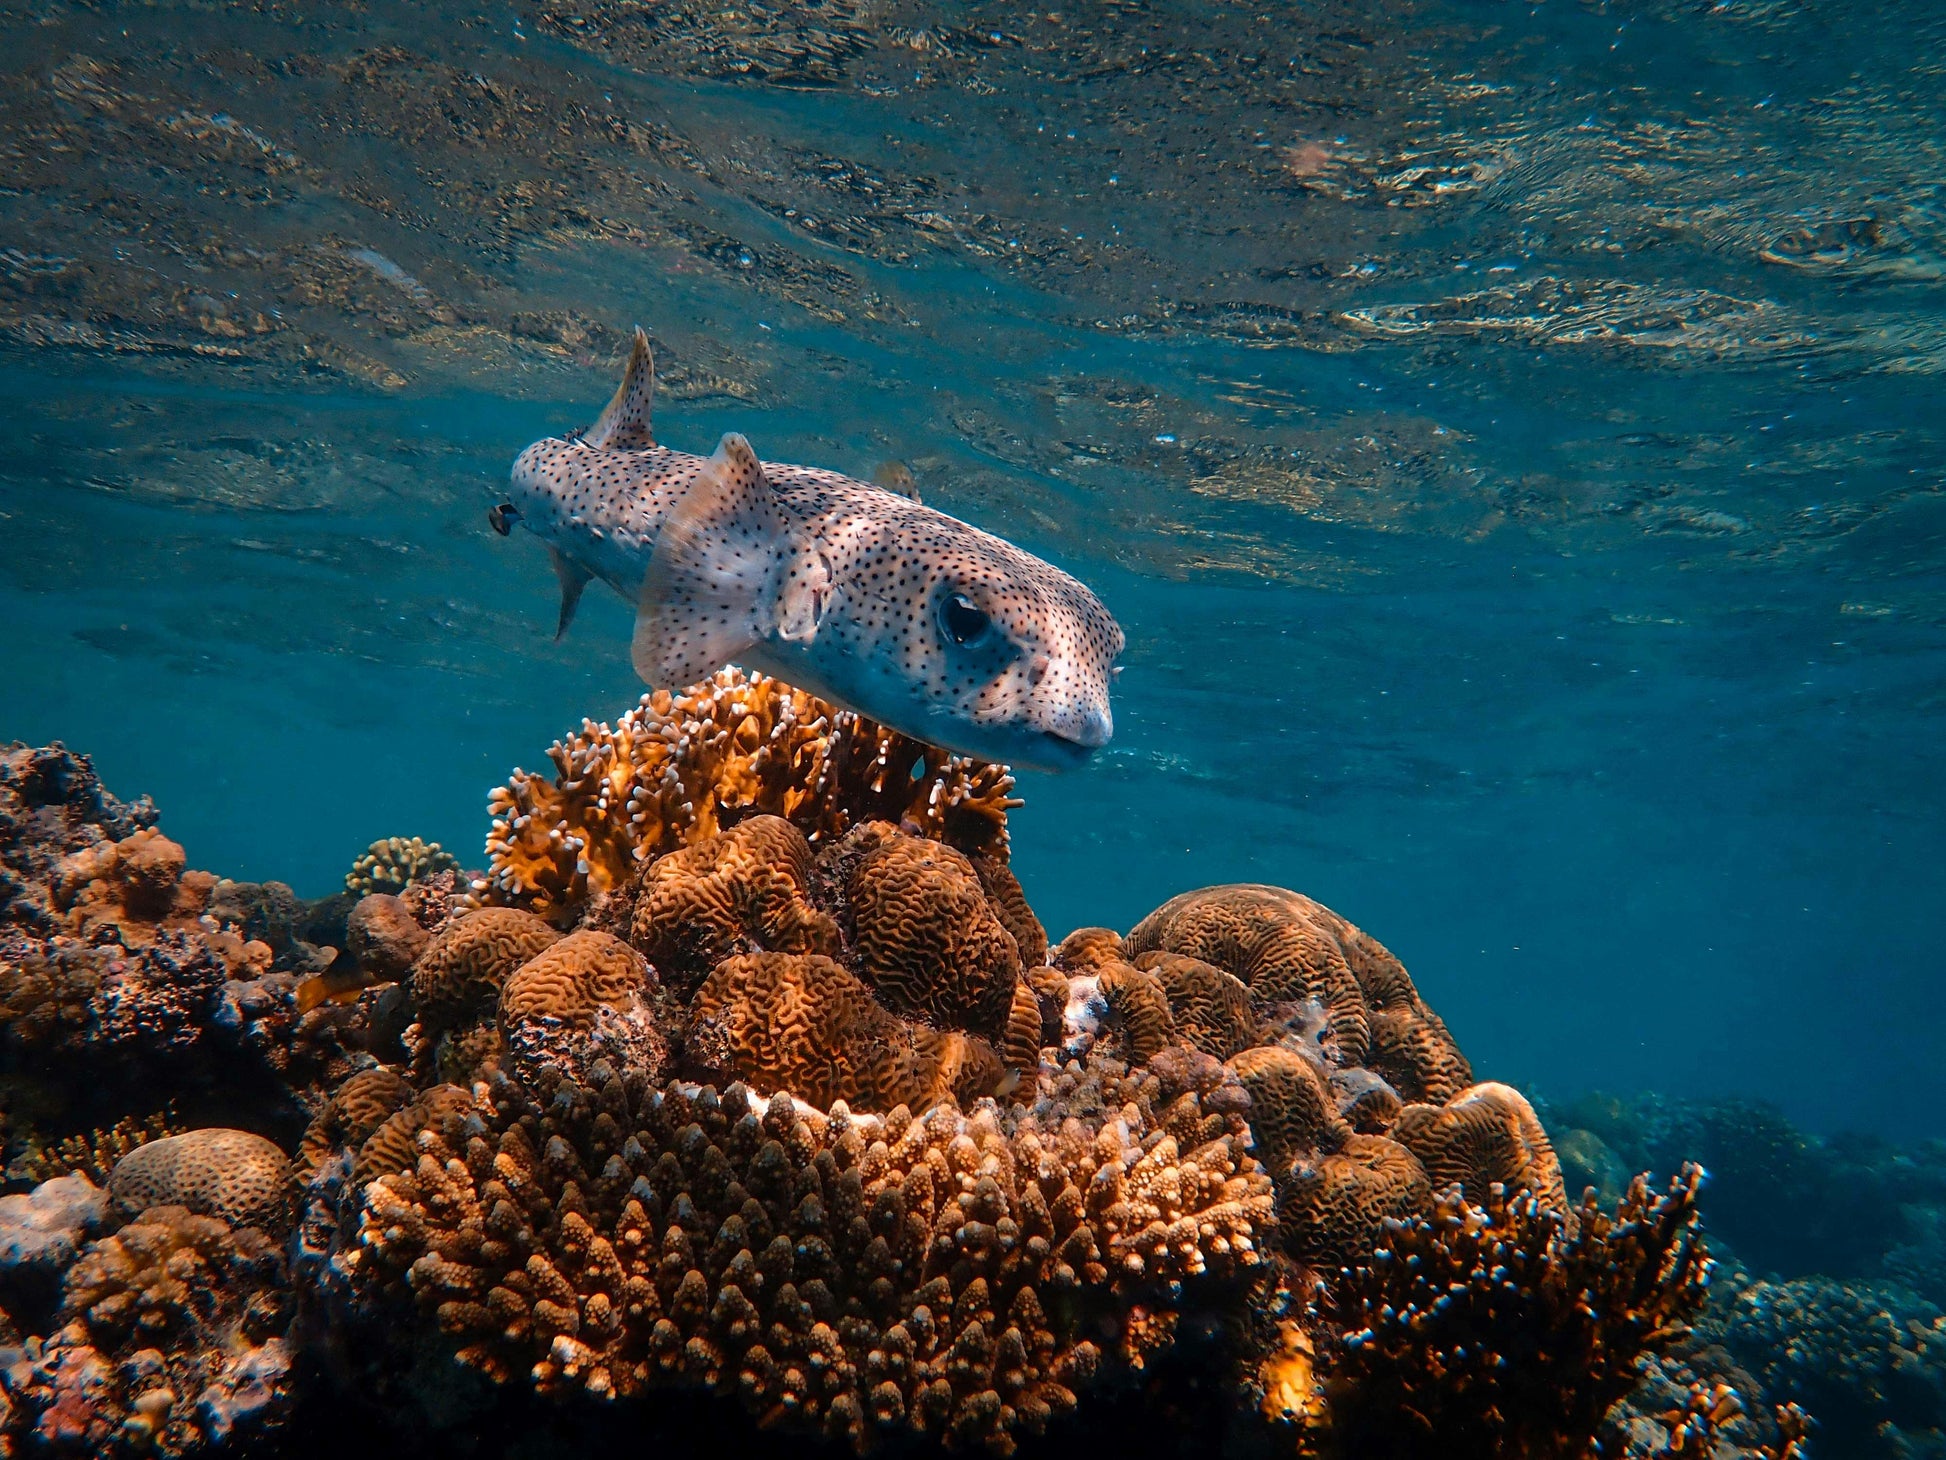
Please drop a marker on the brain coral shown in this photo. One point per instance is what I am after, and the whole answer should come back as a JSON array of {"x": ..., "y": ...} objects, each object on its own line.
[
  {"x": 922, "y": 932},
  {"x": 1485, "y": 1134},
  {"x": 458, "y": 978},
  {"x": 1210, "y": 1008},
  {"x": 678, "y": 768},
  {"x": 216, "y": 1172},
  {"x": 354, "y": 1110},
  {"x": 582, "y": 999},
  {"x": 804, "y": 1024},
  {"x": 1288, "y": 948},
  {"x": 745, "y": 890},
  {"x": 957, "y": 1276}
]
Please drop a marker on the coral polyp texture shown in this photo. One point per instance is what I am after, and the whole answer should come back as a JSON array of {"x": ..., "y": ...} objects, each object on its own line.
[
  {"x": 748, "y": 1071},
  {"x": 957, "y": 1275},
  {"x": 680, "y": 768}
]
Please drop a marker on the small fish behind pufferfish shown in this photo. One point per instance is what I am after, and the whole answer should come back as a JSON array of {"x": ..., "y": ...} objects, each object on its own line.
[{"x": 865, "y": 597}]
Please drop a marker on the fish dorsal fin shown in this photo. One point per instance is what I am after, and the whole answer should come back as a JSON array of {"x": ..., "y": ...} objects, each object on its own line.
[
  {"x": 623, "y": 424},
  {"x": 572, "y": 578},
  {"x": 709, "y": 592}
]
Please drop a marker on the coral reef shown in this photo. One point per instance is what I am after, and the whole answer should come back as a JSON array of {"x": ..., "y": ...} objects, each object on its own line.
[
  {"x": 678, "y": 769},
  {"x": 393, "y": 863},
  {"x": 756, "y": 1077},
  {"x": 172, "y": 1338}
]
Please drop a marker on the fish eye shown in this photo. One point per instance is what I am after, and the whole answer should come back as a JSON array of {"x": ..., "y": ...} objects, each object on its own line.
[{"x": 963, "y": 620}]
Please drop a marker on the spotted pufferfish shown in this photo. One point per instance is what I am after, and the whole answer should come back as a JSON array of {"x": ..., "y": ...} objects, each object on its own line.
[{"x": 859, "y": 595}]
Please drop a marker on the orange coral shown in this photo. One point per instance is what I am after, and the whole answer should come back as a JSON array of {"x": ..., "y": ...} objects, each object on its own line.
[
  {"x": 568, "y": 981},
  {"x": 746, "y": 889},
  {"x": 1502, "y": 1330},
  {"x": 216, "y": 1172},
  {"x": 1483, "y": 1135},
  {"x": 1291, "y": 1112},
  {"x": 922, "y": 932},
  {"x": 1335, "y": 1209},
  {"x": 804, "y": 1024},
  {"x": 458, "y": 978},
  {"x": 955, "y": 1277},
  {"x": 354, "y": 1110},
  {"x": 678, "y": 768},
  {"x": 1211, "y": 1008}
]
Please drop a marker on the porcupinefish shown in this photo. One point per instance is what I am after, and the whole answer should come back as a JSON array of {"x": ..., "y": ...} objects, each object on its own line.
[{"x": 855, "y": 593}]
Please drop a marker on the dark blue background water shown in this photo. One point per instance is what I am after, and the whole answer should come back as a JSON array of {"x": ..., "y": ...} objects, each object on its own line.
[{"x": 1518, "y": 470}]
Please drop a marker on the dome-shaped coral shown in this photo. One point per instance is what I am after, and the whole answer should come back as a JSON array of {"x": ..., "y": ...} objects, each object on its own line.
[
  {"x": 921, "y": 930},
  {"x": 580, "y": 1000},
  {"x": 1210, "y": 1008},
  {"x": 216, "y": 1172},
  {"x": 1335, "y": 1208},
  {"x": 1292, "y": 1113},
  {"x": 804, "y": 1024},
  {"x": 354, "y": 1110},
  {"x": 1484, "y": 1135},
  {"x": 383, "y": 937},
  {"x": 745, "y": 890},
  {"x": 458, "y": 978},
  {"x": 676, "y": 768}
]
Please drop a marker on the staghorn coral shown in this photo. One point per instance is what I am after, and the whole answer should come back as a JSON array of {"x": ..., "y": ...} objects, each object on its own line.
[
  {"x": 961, "y": 1276},
  {"x": 1487, "y": 1133},
  {"x": 805, "y": 1024},
  {"x": 678, "y": 769},
  {"x": 743, "y": 891},
  {"x": 458, "y": 978},
  {"x": 1501, "y": 1330},
  {"x": 391, "y": 863},
  {"x": 921, "y": 931},
  {"x": 216, "y": 1172},
  {"x": 173, "y": 1339}
]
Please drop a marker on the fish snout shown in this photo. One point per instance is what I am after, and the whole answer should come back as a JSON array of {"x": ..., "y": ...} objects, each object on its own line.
[{"x": 1079, "y": 716}]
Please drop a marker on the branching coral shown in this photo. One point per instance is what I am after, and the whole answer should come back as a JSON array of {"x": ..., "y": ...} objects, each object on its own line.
[
  {"x": 960, "y": 1276},
  {"x": 678, "y": 769},
  {"x": 803, "y": 1023},
  {"x": 1502, "y": 1330},
  {"x": 394, "y": 861}
]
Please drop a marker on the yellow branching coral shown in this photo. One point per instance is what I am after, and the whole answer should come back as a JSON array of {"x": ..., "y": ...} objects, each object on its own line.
[{"x": 678, "y": 769}]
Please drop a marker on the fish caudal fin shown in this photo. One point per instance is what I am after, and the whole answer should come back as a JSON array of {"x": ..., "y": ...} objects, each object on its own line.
[
  {"x": 572, "y": 578},
  {"x": 624, "y": 423},
  {"x": 709, "y": 592}
]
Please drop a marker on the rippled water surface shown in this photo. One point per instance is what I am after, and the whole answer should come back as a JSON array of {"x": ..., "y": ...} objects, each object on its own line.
[{"x": 1511, "y": 437}]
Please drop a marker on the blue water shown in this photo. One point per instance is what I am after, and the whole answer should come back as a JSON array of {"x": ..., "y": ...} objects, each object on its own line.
[{"x": 1511, "y": 438}]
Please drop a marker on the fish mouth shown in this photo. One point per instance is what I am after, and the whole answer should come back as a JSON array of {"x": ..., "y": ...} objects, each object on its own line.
[{"x": 1053, "y": 752}]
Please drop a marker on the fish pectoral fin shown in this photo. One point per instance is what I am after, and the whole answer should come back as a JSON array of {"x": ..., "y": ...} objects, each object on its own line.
[
  {"x": 708, "y": 594},
  {"x": 623, "y": 424},
  {"x": 572, "y": 578},
  {"x": 803, "y": 594}
]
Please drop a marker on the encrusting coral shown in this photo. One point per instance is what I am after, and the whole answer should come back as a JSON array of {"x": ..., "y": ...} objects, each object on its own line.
[{"x": 678, "y": 769}]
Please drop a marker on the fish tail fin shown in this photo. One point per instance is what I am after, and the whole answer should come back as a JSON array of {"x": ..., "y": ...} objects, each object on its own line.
[
  {"x": 623, "y": 424},
  {"x": 573, "y": 578},
  {"x": 707, "y": 595}
]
